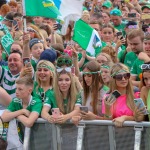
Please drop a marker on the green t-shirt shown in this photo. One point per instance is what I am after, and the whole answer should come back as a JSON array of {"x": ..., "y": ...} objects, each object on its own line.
[
  {"x": 52, "y": 103},
  {"x": 136, "y": 68},
  {"x": 34, "y": 63},
  {"x": 40, "y": 94},
  {"x": 35, "y": 105},
  {"x": 121, "y": 27},
  {"x": 129, "y": 59}
]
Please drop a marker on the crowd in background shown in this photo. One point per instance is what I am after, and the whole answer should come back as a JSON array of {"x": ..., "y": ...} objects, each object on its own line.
[{"x": 49, "y": 75}]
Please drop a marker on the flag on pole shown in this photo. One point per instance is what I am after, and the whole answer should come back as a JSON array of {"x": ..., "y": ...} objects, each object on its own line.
[
  {"x": 71, "y": 10},
  {"x": 43, "y": 8},
  {"x": 86, "y": 37}
]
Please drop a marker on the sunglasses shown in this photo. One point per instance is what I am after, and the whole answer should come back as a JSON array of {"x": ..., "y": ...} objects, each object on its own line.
[
  {"x": 64, "y": 61},
  {"x": 43, "y": 96},
  {"x": 120, "y": 76},
  {"x": 145, "y": 66},
  {"x": 67, "y": 69},
  {"x": 30, "y": 30}
]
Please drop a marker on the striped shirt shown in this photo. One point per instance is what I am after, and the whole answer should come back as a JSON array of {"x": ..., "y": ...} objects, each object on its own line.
[{"x": 7, "y": 81}]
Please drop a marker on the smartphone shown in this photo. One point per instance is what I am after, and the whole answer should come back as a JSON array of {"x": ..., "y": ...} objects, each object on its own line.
[
  {"x": 15, "y": 24},
  {"x": 84, "y": 108},
  {"x": 145, "y": 16},
  {"x": 26, "y": 60},
  {"x": 119, "y": 35},
  {"x": 73, "y": 70},
  {"x": 57, "y": 26},
  {"x": 116, "y": 94},
  {"x": 131, "y": 15},
  {"x": 139, "y": 102},
  {"x": 55, "y": 112}
]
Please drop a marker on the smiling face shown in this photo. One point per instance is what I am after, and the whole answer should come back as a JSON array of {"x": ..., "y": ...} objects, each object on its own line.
[
  {"x": 64, "y": 82},
  {"x": 121, "y": 80},
  {"x": 44, "y": 74},
  {"x": 15, "y": 63}
]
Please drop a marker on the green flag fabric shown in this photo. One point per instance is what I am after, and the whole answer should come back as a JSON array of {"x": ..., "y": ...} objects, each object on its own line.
[
  {"x": 86, "y": 37},
  {"x": 43, "y": 8}
]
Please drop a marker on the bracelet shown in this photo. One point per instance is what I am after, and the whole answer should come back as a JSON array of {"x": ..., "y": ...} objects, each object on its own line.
[
  {"x": 107, "y": 116},
  {"x": 96, "y": 117}
]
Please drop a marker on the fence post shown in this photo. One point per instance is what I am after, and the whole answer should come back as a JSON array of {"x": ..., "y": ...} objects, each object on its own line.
[
  {"x": 80, "y": 136},
  {"x": 112, "y": 143},
  {"x": 26, "y": 138},
  {"x": 138, "y": 133}
]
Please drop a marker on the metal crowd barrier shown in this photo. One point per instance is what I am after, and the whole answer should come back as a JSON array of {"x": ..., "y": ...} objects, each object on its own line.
[{"x": 88, "y": 135}]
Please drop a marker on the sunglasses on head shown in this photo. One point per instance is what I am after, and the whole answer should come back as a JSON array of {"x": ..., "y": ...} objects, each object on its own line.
[
  {"x": 120, "y": 76},
  {"x": 145, "y": 66},
  {"x": 67, "y": 69},
  {"x": 64, "y": 61}
]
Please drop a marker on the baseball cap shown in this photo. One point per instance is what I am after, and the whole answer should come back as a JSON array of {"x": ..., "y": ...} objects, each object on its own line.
[
  {"x": 116, "y": 12},
  {"x": 49, "y": 55},
  {"x": 107, "y": 4},
  {"x": 145, "y": 6},
  {"x": 34, "y": 41}
]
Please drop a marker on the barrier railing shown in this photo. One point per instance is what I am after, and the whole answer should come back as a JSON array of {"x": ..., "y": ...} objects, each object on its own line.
[{"x": 88, "y": 135}]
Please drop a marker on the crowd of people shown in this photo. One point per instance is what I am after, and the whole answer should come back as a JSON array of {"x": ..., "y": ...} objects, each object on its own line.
[{"x": 48, "y": 75}]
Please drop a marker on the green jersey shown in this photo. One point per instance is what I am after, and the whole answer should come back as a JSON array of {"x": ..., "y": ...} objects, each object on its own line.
[
  {"x": 52, "y": 103},
  {"x": 121, "y": 27},
  {"x": 35, "y": 105},
  {"x": 129, "y": 59},
  {"x": 7, "y": 81},
  {"x": 136, "y": 69},
  {"x": 34, "y": 62}
]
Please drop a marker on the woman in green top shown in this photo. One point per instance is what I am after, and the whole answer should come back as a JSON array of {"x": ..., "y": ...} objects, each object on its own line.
[
  {"x": 145, "y": 91},
  {"x": 45, "y": 74},
  {"x": 67, "y": 97}
]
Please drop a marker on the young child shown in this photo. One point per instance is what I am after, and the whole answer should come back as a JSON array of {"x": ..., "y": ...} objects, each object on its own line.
[
  {"x": 36, "y": 48},
  {"x": 24, "y": 107}
]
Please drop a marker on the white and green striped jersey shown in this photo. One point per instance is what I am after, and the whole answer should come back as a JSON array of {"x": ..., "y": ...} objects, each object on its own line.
[{"x": 7, "y": 81}]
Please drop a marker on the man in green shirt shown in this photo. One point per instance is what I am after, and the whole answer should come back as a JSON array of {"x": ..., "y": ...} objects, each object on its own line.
[
  {"x": 135, "y": 40},
  {"x": 116, "y": 18}
]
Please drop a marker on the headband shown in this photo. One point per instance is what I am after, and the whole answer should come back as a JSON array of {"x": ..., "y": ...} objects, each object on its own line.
[
  {"x": 120, "y": 71},
  {"x": 45, "y": 66}
]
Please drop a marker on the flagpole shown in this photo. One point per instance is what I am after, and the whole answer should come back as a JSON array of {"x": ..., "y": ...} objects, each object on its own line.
[{"x": 24, "y": 16}]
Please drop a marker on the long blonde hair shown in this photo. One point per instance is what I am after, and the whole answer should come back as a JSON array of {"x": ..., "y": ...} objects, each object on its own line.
[
  {"x": 129, "y": 89},
  {"x": 49, "y": 64},
  {"x": 72, "y": 93}
]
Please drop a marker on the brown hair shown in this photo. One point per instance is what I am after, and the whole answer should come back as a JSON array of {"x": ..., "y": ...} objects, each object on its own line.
[
  {"x": 5, "y": 9},
  {"x": 135, "y": 33},
  {"x": 92, "y": 66},
  {"x": 13, "y": 3},
  {"x": 26, "y": 80},
  {"x": 111, "y": 52},
  {"x": 72, "y": 93},
  {"x": 108, "y": 26}
]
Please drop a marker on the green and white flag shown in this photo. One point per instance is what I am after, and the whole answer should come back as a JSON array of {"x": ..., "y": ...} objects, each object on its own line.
[
  {"x": 6, "y": 42},
  {"x": 86, "y": 36},
  {"x": 43, "y": 8}
]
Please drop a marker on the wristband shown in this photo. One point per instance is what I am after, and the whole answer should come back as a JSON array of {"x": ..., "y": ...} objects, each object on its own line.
[
  {"x": 96, "y": 117},
  {"x": 107, "y": 116}
]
